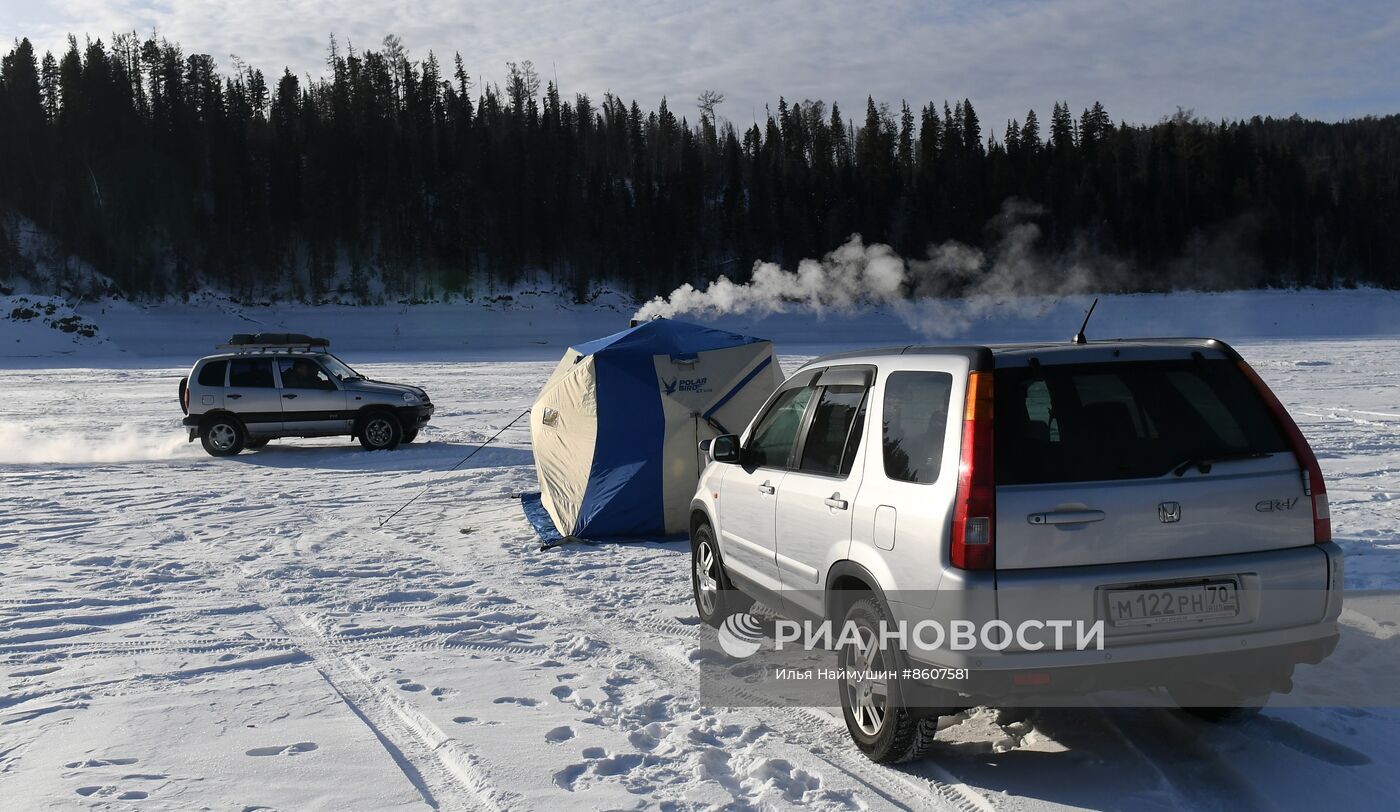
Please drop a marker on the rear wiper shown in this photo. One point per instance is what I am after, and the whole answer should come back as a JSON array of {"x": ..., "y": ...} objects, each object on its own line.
[{"x": 1203, "y": 464}]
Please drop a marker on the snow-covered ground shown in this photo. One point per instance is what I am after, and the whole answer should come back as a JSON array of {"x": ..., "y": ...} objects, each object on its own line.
[{"x": 183, "y": 632}]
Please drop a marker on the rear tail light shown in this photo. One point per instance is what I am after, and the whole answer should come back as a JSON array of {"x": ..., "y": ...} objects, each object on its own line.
[
  {"x": 1313, "y": 486},
  {"x": 974, "y": 515}
]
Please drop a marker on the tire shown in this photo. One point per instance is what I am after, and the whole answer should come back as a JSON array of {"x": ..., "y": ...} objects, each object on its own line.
[
  {"x": 380, "y": 431},
  {"x": 1216, "y": 704},
  {"x": 409, "y": 436},
  {"x": 222, "y": 436},
  {"x": 715, "y": 597},
  {"x": 254, "y": 445},
  {"x": 884, "y": 730}
]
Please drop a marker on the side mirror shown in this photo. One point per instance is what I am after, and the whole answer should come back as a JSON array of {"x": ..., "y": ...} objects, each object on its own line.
[{"x": 725, "y": 448}]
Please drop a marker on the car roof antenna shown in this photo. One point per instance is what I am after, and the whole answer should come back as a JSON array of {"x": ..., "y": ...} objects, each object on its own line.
[{"x": 1079, "y": 336}]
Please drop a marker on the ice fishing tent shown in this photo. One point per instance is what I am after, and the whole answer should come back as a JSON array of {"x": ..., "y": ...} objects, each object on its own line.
[{"x": 616, "y": 427}]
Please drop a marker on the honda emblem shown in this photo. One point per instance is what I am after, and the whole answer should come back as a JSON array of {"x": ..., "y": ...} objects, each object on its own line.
[{"x": 1169, "y": 512}]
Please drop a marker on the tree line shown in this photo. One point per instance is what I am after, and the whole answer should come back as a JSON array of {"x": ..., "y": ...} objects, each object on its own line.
[{"x": 394, "y": 177}]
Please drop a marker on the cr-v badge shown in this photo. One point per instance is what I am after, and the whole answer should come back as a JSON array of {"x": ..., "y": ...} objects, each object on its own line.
[{"x": 1169, "y": 512}]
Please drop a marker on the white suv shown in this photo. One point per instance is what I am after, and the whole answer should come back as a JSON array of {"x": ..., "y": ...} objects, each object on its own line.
[{"x": 1155, "y": 488}]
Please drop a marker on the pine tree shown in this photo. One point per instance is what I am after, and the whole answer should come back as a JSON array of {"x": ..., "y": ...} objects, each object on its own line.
[
  {"x": 48, "y": 85},
  {"x": 1061, "y": 128},
  {"x": 906, "y": 143},
  {"x": 971, "y": 130},
  {"x": 1030, "y": 132}
]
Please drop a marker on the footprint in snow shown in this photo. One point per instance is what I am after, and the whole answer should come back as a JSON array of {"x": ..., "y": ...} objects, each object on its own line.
[
  {"x": 102, "y": 792},
  {"x": 284, "y": 750},
  {"x": 599, "y": 764},
  {"x": 516, "y": 700},
  {"x": 559, "y": 734},
  {"x": 35, "y": 672},
  {"x": 100, "y": 762}
]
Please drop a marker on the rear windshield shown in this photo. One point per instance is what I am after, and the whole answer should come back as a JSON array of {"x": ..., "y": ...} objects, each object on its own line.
[{"x": 1125, "y": 420}]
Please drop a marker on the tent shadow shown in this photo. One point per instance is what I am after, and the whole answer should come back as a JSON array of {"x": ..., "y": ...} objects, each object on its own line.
[
  {"x": 425, "y": 457},
  {"x": 589, "y": 546}
]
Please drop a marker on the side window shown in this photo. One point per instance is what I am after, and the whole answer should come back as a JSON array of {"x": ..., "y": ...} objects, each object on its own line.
[
  {"x": 915, "y": 420},
  {"x": 834, "y": 434},
  {"x": 773, "y": 438},
  {"x": 251, "y": 372},
  {"x": 212, "y": 373},
  {"x": 303, "y": 373}
]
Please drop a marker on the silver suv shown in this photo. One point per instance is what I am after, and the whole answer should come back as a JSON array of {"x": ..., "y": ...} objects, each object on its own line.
[
  {"x": 273, "y": 385},
  {"x": 1153, "y": 489}
]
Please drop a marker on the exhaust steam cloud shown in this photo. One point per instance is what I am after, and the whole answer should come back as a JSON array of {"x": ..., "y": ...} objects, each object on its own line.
[{"x": 938, "y": 295}]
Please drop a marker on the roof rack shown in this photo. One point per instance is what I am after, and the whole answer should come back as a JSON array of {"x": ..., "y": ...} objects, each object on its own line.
[{"x": 263, "y": 342}]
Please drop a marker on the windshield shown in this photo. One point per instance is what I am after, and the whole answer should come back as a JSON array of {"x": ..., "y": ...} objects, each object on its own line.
[{"x": 338, "y": 368}]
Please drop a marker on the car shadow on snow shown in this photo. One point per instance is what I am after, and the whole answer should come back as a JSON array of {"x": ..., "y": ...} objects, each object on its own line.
[
  {"x": 420, "y": 456},
  {"x": 1132, "y": 758},
  {"x": 1156, "y": 756}
]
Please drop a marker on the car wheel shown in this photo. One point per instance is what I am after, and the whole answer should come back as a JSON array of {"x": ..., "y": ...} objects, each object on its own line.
[
  {"x": 222, "y": 436},
  {"x": 1216, "y": 704},
  {"x": 254, "y": 445},
  {"x": 410, "y": 435},
  {"x": 715, "y": 598},
  {"x": 380, "y": 431},
  {"x": 871, "y": 700}
]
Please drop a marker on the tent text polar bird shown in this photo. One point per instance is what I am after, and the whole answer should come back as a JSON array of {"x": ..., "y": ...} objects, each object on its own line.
[{"x": 616, "y": 428}]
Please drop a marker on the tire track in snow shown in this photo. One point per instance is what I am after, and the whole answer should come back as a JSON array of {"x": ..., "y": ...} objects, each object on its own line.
[
  {"x": 443, "y": 770},
  {"x": 1198, "y": 775},
  {"x": 892, "y": 784}
]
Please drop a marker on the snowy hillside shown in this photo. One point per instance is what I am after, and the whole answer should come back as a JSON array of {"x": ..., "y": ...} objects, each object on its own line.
[
  {"x": 539, "y": 324},
  {"x": 182, "y": 632}
]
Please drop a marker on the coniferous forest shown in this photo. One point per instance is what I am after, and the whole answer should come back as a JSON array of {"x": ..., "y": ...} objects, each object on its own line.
[{"x": 393, "y": 176}]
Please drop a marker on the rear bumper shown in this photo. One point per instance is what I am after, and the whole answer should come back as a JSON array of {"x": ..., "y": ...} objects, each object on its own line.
[
  {"x": 1238, "y": 671},
  {"x": 1289, "y": 602}
]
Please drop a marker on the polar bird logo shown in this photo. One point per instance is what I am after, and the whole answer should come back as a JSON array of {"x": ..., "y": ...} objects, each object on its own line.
[{"x": 740, "y": 635}]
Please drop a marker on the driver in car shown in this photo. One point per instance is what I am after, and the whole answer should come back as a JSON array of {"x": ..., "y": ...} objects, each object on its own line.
[{"x": 301, "y": 375}]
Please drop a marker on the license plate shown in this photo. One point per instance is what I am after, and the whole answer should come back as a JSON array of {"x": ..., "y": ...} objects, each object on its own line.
[{"x": 1173, "y": 604}]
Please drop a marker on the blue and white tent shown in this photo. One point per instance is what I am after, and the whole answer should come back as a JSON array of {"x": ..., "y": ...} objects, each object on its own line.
[{"x": 615, "y": 429}]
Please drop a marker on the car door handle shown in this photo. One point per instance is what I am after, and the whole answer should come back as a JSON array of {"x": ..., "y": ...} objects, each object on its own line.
[
  {"x": 1066, "y": 517},
  {"x": 768, "y": 489},
  {"x": 289, "y": 397},
  {"x": 835, "y": 501},
  {"x": 233, "y": 397}
]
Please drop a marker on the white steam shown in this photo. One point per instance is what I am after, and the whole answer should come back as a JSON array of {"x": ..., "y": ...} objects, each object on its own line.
[
  {"x": 20, "y": 444},
  {"x": 938, "y": 295}
]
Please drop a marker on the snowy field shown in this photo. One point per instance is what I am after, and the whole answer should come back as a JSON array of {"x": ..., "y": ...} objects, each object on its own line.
[{"x": 182, "y": 632}]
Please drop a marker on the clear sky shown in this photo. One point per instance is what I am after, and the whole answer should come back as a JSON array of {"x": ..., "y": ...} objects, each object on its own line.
[{"x": 1142, "y": 58}]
